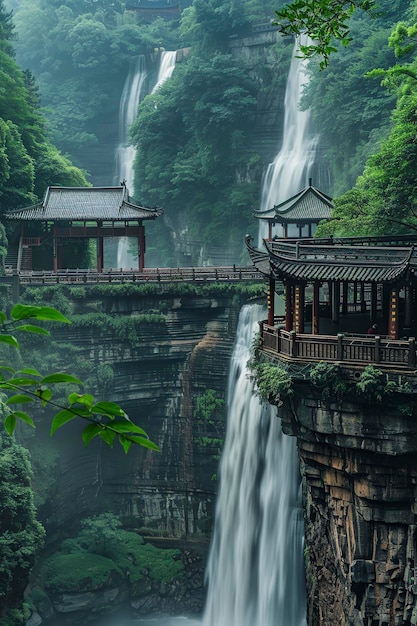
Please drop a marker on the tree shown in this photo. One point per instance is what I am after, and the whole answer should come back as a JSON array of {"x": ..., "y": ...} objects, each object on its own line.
[
  {"x": 106, "y": 420},
  {"x": 324, "y": 21}
]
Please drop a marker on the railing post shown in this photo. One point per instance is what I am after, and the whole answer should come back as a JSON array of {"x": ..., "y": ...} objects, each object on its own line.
[
  {"x": 412, "y": 352},
  {"x": 340, "y": 346},
  {"x": 293, "y": 343},
  {"x": 377, "y": 349}
]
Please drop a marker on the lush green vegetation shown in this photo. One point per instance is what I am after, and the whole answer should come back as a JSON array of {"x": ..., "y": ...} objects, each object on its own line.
[
  {"x": 28, "y": 161},
  {"x": 103, "y": 555}
]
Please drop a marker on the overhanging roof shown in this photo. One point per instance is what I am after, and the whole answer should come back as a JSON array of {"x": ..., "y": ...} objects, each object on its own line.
[
  {"x": 309, "y": 205},
  {"x": 85, "y": 204},
  {"x": 308, "y": 260}
]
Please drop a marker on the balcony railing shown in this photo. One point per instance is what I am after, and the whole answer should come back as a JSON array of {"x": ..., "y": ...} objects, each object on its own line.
[{"x": 349, "y": 349}]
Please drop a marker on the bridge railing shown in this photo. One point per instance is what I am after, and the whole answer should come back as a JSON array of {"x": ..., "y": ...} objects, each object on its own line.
[
  {"x": 169, "y": 274},
  {"x": 346, "y": 348}
]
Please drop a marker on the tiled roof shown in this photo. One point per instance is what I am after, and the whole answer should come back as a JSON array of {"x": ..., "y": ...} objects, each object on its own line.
[
  {"x": 85, "y": 203},
  {"x": 309, "y": 205},
  {"x": 306, "y": 260}
]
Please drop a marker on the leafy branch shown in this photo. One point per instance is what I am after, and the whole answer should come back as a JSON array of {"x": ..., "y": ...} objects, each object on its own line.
[
  {"x": 323, "y": 21},
  {"x": 106, "y": 420}
]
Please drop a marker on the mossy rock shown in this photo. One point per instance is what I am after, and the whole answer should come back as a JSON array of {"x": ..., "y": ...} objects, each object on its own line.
[{"x": 80, "y": 571}]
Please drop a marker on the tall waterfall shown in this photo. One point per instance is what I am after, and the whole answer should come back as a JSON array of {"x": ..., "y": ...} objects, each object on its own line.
[
  {"x": 134, "y": 90},
  {"x": 255, "y": 571},
  {"x": 293, "y": 165}
]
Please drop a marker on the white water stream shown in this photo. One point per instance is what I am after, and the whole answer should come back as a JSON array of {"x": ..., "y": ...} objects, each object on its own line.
[
  {"x": 292, "y": 167},
  {"x": 255, "y": 571},
  {"x": 134, "y": 91}
]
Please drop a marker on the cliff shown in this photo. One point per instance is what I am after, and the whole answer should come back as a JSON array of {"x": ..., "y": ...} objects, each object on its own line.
[{"x": 359, "y": 470}]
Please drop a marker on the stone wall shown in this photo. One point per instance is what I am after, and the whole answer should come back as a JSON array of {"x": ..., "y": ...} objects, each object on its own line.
[
  {"x": 359, "y": 469},
  {"x": 158, "y": 379}
]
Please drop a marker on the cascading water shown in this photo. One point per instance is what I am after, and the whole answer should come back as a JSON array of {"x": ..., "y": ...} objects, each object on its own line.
[
  {"x": 134, "y": 90},
  {"x": 255, "y": 571},
  {"x": 293, "y": 165}
]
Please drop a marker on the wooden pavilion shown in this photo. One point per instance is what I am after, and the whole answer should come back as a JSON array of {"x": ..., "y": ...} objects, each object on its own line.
[
  {"x": 338, "y": 287},
  {"x": 299, "y": 215},
  {"x": 70, "y": 214}
]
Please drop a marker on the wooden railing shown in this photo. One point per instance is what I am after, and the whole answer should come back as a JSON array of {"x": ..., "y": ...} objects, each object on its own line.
[
  {"x": 183, "y": 274},
  {"x": 350, "y": 349}
]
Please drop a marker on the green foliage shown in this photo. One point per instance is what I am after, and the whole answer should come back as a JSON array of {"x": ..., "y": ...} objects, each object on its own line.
[
  {"x": 373, "y": 385},
  {"x": 324, "y": 21},
  {"x": 273, "y": 383},
  {"x": 331, "y": 380},
  {"x": 206, "y": 405},
  {"x": 106, "y": 420},
  {"x": 103, "y": 554},
  {"x": 21, "y": 536}
]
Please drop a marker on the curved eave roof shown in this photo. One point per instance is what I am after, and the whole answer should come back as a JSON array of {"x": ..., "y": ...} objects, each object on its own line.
[
  {"x": 309, "y": 205},
  {"x": 85, "y": 204},
  {"x": 258, "y": 258},
  {"x": 289, "y": 260}
]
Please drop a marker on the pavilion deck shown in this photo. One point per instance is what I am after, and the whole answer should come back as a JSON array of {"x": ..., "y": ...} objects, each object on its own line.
[{"x": 349, "y": 349}]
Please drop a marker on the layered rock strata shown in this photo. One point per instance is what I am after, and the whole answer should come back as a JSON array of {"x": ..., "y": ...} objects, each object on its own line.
[{"x": 359, "y": 469}]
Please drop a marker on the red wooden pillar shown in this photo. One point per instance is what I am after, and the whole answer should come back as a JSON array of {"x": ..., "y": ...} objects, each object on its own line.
[
  {"x": 299, "y": 300},
  {"x": 271, "y": 300},
  {"x": 288, "y": 306},
  {"x": 141, "y": 243},
  {"x": 316, "y": 306},
  {"x": 393, "y": 321}
]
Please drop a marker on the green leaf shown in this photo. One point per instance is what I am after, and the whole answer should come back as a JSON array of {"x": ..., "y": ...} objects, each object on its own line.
[
  {"x": 29, "y": 370},
  {"x": 10, "y": 340},
  {"x": 3, "y": 317},
  {"x": 24, "y": 417},
  {"x": 19, "y": 399},
  {"x": 10, "y": 423},
  {"x": 19, "y": 381},
  {"x": 127, "y": 426},
  {"x": 125, "y": 443},
  {"x": 44, "y": 313},
  {"x": 85, "y": 398},
  {"x": 144, "y": 441},
  {"x": 60, "y": 378},
  {"x": 30, "y": 328},
  {"x": 90, "y": 432},
  {"x": 108, "y": 436},
  {"x": 44, "y": 394},
  {"x": 108, "y": 408},
  {"x": 61, "y": 418}
]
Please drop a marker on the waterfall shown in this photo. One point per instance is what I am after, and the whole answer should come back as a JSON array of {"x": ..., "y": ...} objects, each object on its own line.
[
  {"x": 255, "y": 571},
  {"x": 134, "y": 90},
  {"x": 293, "y": 165}
]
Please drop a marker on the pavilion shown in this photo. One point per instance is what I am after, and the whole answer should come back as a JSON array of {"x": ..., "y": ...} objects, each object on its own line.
[
  {"x": 336, "y": 287},
  {"x": 300, "y": 215},
  {"x": 70, "y": 214}
]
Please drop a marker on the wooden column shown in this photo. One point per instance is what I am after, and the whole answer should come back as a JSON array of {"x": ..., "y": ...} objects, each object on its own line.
[
  {"x": 288, "y": 306},
  {"x": 393, "y": 321},
  {"x": 271, "y": 300},
  {"x": 408, "y": 306},
  {"x": 141, "y": 242},
  {"x": 335, "y": 302},
  {"x": 374, "y": 294},
  {"x": 316, "y": 307},
  {"x": 269, "y": 230},
  {"x": 345, "y": 295},
  {"x": 55, "y": 251},
  {"x": 299, "y": 300},
  {"x": 100, "y": 254}
]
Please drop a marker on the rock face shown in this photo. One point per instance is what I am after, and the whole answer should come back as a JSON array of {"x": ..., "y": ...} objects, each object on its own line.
[
  {"x": 160, "y": 376},
  {"x": 359, "y": 472}
]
